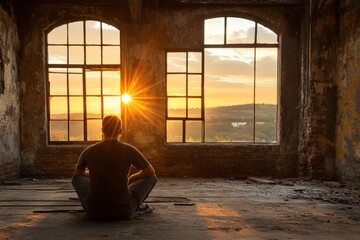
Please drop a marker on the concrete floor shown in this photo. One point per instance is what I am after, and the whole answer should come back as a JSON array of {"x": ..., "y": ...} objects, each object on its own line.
[{"x": 189, "y": 209}]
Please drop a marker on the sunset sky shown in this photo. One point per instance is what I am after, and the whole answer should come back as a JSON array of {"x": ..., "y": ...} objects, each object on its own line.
[{"x": 229, "y": 73}]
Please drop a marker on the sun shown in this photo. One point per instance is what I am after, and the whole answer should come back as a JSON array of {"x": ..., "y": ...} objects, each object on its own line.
[{"x": 126, "y": 98}]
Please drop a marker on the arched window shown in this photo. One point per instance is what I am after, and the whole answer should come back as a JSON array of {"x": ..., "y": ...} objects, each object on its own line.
[
  {"x": 238, "y": 93},
  {"x": 84, "y": 69}
]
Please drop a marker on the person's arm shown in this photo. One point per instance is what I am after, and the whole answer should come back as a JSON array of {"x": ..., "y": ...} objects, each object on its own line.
[
  {"x": 80, "y": 172},
  {"x": 81, "y": 166},
  {"x": 144, "y": 173}
]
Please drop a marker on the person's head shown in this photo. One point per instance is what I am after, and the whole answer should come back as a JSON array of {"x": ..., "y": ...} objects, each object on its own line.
[{"x": 111, "y": 126}]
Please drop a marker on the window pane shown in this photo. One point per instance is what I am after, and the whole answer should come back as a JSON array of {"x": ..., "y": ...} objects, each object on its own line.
[
  {"x": 75, "y": 84},
  {"x": 76, "y": 55},
  {"x": 266, "y": 75},
  {"x": 266, "y": 95},
  {"x": 76, "y": 131},
  {"x": 58, "y": 83},
  {"x": 193, "y": 131},
  {"x": 265, "y": 123},
  {"x": 57, "y": 54},
  {"x": 229, "y": 124},
  {"x": 112, "y": 105},
  {"x": 93, "y": 83},
  {"x": 111, "y": 82},
  {"x": 76, "y": 33},
  {"x": 93, "y": 32},
  {"x": 174, "y": 131},
  {"x": 194, "y": 62},
  {"x": 111, "y": 55},
  {"x": 229, "y": 76},
  {"x": 229, "y": 94},
  {"x": 76, "y": 108},
  {"x": 93, "y": 55},
  {"x": 94, "y": 130},
  {"x": 58, "y": 131},
  {"x": 93, "y": 106},
  {"x": 176, "y": 62},
  {"x": 214, "y": 31},
  {"x": 58, "y": 35},
  {"x": 194, "y": 85},
  {"x": 176, "y": 85},
  {"x": 194, "y": 107},
  {"x": 111, "y": 35},
  {"x": 176, "y": 107},
  {"x": 75, "y": 70},
  {"x": 240, "y": 30},
  {"x": 265, "y": 35},
  {"x": 58, "y": 108}
]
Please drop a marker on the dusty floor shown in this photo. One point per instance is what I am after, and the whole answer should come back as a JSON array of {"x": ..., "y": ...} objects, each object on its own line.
[{"x": 189, "y": 209}]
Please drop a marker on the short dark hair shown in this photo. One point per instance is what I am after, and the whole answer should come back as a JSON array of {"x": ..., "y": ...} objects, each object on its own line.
[{"x": 111, "y": 126}]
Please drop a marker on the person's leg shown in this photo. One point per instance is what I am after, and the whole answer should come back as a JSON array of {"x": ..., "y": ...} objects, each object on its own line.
[
  {"x": 142, "y": 188},
  {"x": 81, "y": 185}
]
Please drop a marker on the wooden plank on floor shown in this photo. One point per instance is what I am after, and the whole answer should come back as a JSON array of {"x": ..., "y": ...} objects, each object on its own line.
[{"x": 262, "y": 180}]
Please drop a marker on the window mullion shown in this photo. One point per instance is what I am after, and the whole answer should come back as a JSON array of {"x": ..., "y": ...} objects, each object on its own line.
[
  {"x": 183, "y": 133},
  {"x": 254, "y": 120},
  {"x": 67, "y": 83},
  {"x": 84, "y": 103},
  {"x": 84, "y": 84},
  {"x": 225, "y": 31},
  {"x": 202, "y": 97}
]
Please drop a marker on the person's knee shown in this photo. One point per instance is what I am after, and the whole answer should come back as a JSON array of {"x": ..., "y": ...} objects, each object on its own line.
[
  {"x": 154, "y": 178},
  {"x": 74, "y": 180},
  {"x": 80, "y": 180}
]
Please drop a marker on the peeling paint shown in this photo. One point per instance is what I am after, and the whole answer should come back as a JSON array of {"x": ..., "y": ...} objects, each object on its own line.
[
  {"x": 348, "y": 119},
  {"x": 9, "y": 99},
  {"x": 357, "y": 101}
]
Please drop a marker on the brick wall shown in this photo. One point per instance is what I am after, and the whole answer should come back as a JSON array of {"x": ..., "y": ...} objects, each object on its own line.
[
  {"x": 318, "y": 115},
  {"x": 9, "y": 95},
  {"x": 348, "y": 82},
  {"x": 330, "y": 142},
  {"x": 143, "y": 58}
]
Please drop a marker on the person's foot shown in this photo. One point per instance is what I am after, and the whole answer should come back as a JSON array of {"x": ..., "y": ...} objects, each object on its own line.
[{"x": 144, "y": 208}]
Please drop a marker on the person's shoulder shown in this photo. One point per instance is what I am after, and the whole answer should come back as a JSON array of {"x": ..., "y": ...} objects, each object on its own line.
[
  {"x": 92, "y": 147},
  {"x": 128, "y": 146}
]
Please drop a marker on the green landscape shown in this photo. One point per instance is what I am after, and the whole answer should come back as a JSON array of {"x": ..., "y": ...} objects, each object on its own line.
[
  {"x": 222, "y": 124},
  {"x": 229, "y": 124}
]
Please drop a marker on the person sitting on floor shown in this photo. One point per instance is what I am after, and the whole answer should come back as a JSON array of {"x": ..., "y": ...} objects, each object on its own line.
[{"x": 105, "y": 190}]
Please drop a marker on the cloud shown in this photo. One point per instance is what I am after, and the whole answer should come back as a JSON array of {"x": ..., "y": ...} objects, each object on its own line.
[
  {"x": 265, "y": 35},
  {"x": 227, "y": 67},
  {"x": 229, "y": 76},
  {"x": 229, "y": 62}
]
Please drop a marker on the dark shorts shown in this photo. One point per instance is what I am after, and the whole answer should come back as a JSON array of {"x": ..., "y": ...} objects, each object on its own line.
[{"x": 139, "y": 189}]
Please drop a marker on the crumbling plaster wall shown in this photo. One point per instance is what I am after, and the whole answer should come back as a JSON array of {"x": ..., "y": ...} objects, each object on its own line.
[
  {"x": 348, "y": 82},
  {"x": 9, "y": 95},
  {"x": 330, "y": 131},
  {"x": 143, "y": 62},
  {"x": 318, "y": 113}
]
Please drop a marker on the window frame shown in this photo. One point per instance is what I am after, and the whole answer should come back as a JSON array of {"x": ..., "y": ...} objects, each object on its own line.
[
  {"x": 84, "y": 68},
  {"x": 187, "y": 73},
  {"x": 255, "y": 45}
]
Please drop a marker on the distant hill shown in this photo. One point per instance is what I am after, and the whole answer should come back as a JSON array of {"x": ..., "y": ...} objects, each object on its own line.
[
  {"x": 245, "y": 112},
  {"x": 222, "y": 124},
  {"x": 234, "y": 123}
]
